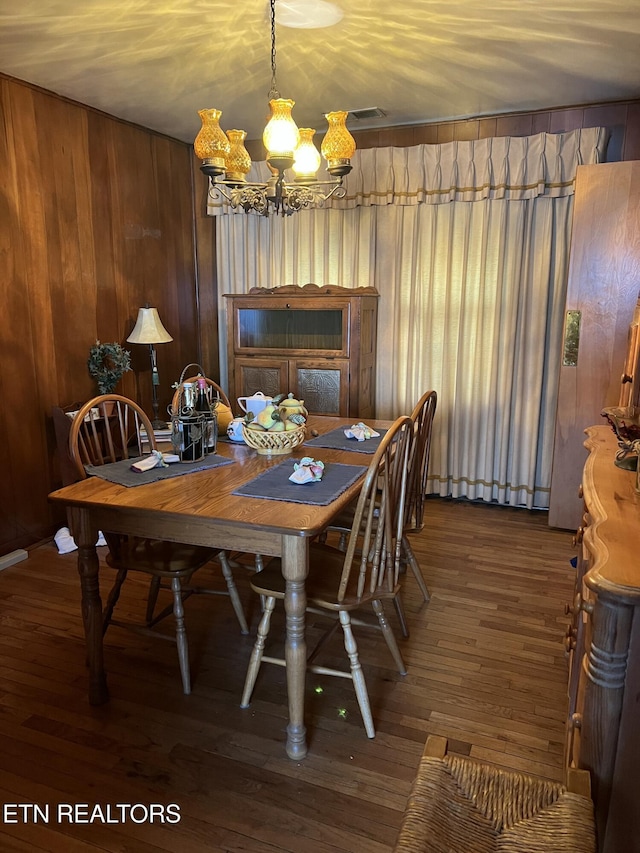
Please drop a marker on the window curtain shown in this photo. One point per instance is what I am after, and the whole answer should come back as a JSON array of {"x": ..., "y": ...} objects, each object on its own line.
[{"x": 467, "y": 244}]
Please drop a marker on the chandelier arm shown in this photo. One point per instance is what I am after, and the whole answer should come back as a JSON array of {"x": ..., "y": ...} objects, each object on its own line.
[
  {"x": 336, "y": 184},
  {"x": 288, "y": 198},
  {"x": 215, "y": 187}
]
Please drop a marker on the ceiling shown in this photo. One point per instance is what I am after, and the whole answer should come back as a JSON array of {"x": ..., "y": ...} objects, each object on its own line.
[{"x": 157, "y": 63}]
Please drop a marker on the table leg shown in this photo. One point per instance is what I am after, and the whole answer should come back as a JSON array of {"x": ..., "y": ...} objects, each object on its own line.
[
  {"x": 295, "y": 565},
  {"x": 86, "y": 535}
]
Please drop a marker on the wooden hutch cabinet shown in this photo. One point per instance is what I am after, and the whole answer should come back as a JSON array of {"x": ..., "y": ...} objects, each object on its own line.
[
  {"x": 317, "y": 342},
  {"x": 603, "y": 640}
]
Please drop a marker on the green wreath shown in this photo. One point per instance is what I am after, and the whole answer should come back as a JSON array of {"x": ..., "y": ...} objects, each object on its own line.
[{"x": 107, "y": 363}]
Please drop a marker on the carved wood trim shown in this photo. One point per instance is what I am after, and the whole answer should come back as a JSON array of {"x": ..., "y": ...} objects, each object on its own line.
[{"x": 312, "y": 290}]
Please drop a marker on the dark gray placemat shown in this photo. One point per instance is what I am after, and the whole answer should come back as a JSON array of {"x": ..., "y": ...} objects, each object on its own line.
[
  {"x": 337, "y": 440},
  {"x": 121, "y": 473},
  {"x": 275, "y": 485}
]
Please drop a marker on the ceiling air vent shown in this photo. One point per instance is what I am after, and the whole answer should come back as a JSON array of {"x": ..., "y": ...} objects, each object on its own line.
[{"x": 367, "y": 113}]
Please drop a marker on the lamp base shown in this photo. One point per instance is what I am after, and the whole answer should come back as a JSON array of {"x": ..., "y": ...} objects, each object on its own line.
[{"x": 156, "y": 423}]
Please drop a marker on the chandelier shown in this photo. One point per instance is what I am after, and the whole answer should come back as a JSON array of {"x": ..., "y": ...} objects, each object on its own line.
[{"x": 226, "y": 161}]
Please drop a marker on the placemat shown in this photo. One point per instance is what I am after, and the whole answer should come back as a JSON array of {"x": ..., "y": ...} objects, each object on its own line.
[
  {"x": 121, "y": 473},
  {"x": 275, "y": 485},
  {"x": 337, "y": 440}
]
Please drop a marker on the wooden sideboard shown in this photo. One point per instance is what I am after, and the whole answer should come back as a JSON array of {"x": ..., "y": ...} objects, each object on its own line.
[
  {"x": 318, "y": 342},
  {"x": 603, "y": 640}
]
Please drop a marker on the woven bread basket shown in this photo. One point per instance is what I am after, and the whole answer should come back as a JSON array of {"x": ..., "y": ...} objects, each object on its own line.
[{"x": 273, "y": 443}]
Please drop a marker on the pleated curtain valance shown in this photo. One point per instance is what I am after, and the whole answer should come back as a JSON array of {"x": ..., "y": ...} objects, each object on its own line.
[{"x": 501, "y": 167}]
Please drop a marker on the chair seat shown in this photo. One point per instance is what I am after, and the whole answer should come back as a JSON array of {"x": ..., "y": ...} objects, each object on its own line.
[
  {"x": 458, "y": 805},
  {"x": 325, "y": 568},
  {"x": 157, "y": 557}
]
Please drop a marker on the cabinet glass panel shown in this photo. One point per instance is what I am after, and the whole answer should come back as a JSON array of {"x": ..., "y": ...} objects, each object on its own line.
[{"x": 290, "y": 328}]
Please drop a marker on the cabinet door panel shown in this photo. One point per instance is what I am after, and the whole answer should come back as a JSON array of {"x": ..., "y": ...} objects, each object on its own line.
[
  {"x": 322, "y": 384},
  {"x": 269, "y": 375}
]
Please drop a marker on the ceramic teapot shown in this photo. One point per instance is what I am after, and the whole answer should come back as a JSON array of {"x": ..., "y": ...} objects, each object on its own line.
[
  {"x": 254, "y": 404},
  {"x": 291, "y": 406}
]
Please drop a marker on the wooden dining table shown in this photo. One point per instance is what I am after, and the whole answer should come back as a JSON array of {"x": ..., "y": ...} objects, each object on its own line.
[{"x": 200, "y": 508}]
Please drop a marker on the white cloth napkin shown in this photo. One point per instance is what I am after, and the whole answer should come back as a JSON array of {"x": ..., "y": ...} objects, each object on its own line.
[
  {"x": 154, "y": 460},
  {"x": 360, "y": 432},
  {"x": 308, "y": 470},
  {"x": 66, "y": 543}
]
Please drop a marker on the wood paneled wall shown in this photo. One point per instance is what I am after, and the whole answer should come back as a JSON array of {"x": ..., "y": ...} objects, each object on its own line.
[
  {"x": 96, "y": 219},
  {"x": 621, "y": 118}
]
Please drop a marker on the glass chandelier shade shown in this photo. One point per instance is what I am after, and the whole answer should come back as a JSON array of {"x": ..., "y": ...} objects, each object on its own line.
[
  {"x": 211, "y": 144},
  {"x": 307, "y": 158},
  {"x": 281, "y": 135},
  {"x": 238, "y": 160},
  {"x": 338, "y": 146}
]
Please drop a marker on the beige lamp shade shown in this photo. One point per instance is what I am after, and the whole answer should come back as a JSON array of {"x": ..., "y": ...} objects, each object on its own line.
[{"x": 149, "y": 328}]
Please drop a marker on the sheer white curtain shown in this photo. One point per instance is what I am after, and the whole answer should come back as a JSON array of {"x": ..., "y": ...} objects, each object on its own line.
[{"x": 467, "y": 244}]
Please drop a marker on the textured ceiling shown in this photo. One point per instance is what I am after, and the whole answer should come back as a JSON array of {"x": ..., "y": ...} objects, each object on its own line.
[{"x": 156, "y": 63}]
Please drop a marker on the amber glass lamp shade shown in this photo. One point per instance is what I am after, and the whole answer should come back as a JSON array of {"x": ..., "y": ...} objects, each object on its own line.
[
  {"x": 307, "y": 158},
  {"x": 211, "y": 144},
  {"x": 238, "y": 160},
  {"x": 281, "y": 134},
  {"x": 338, "y": 146}
]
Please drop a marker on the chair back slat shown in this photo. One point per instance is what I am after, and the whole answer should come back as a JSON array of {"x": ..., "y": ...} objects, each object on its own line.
[
  {"x": 422, "y": 417},
  {"x": 373, "y": 546},
  {"x": 108, "y": 429}
]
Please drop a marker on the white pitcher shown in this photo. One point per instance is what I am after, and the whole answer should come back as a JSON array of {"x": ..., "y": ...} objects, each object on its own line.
[{"x": 254, "y": 404}]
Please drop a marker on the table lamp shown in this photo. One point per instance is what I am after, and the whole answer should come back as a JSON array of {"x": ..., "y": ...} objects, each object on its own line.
[{"x": 149, "y": 330}]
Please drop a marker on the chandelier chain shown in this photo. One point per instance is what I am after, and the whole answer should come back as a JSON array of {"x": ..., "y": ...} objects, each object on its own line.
[{"x": 273, "y": 91}]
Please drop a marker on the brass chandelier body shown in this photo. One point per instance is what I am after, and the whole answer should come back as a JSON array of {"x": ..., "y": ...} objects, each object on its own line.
[{"x": 226, "y": 161}]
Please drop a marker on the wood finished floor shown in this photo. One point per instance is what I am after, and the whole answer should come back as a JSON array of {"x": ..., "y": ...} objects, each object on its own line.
[{"x": 486, "y": 668}]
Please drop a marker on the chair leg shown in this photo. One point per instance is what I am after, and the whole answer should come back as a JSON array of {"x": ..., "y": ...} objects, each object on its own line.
[
  {"x": 356, "y": 673},
  {"x": 112, "y": 599},
  {"x": 415, "y": 568},
  {"x": 233, "y": 592},
  {"x": 402, "y": 619},
  {"x": 258, "y": 651},
  {"x": 152, "y": 598},
  {"x": 259, "y": 564},
  {"x": 181, "y": 635},
  {"x": 389, "y": 637}
]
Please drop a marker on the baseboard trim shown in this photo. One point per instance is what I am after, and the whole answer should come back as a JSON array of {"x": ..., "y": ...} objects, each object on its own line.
[{"x": 12, "y": 558}]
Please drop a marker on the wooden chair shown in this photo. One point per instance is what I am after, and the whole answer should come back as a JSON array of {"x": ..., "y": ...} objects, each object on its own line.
[
  {"x": 107, "y": 429},
  {"x": 363, "y": 576},
  {"x": 418, "y": 464},
  {"x": 422, "y": 418},
  {"x": 458, "y": 805}
]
